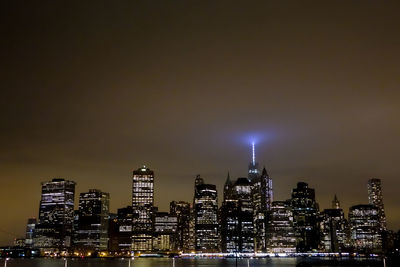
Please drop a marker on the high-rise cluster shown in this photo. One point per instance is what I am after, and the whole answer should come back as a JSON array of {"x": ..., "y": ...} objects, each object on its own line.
[{"x": 248, "y": 221}]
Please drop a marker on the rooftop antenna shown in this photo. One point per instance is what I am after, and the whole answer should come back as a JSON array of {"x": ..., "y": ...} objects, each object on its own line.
[{"x": 254, "y": 153}]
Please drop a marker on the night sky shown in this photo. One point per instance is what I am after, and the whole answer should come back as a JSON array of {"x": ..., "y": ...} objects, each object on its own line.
[{"x": 92, "y": 90}]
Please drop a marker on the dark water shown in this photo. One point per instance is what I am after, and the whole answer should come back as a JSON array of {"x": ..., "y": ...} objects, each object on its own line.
[{"x": 163, "y": 262}]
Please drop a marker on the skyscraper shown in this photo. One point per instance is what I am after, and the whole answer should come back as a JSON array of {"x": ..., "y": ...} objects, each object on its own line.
[
  {"x": 375, "y": 197},
  {"x": 56, "y": 215},
  {"x": 245, "y": 212},
  {"x": 365, "y": 228},
  {"x": 165, "y": 229},
  {"x": 142, "y": 208},
  {"x": 335, "y": 203},
  {"x": 124, "y": 229},
  {"x": 333, "y": 227},
  {"x": 237, "y": 211},
  {"x": 262, "y": 199},
  {"x": 253, "y": 171},
  {"x": 30, "y": 229},
  {"x": 229, "y": 219},
  {"x": 229, "y": 227},
  {"x": 93, "y": 216},
  {"x": 305, "y": 214},
  {"x": 205, "y": 207},
  {"x": 281, "y": 234},
  {"x": 182, "y": 211}
]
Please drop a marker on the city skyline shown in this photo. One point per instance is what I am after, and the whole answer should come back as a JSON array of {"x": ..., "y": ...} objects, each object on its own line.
[
  {"x": 253, "y": 167},
  {"x": 91, "y": 92}
]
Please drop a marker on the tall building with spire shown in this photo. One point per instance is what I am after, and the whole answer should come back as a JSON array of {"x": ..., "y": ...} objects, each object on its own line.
[
  {"x": 335, "y": 203},
  {"x": 253, "y": 171},
  {"x": 229, "y": 219},
  {"x": 333, "y": 228},
  {"x": 375, "y": 197},
  {"x": 262, "y": 198},
  {"x": 228, "y": 187},
  {"x": 142, "y": 208}
]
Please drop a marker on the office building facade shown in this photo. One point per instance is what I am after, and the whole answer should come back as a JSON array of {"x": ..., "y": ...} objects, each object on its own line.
[
  {"x": 281, "y": 234},
  {"x": 56, "y": 215},
  {"x": 205, "y": 207},
  {"x": 142, "y": 209},
  {"x": 182, "y": 210},
  {"x": 305, "y": 214},
  {"x": 365, "y": 232},
  {"x": 93, "y": 218},
  {"x": 375, "y": 197}
]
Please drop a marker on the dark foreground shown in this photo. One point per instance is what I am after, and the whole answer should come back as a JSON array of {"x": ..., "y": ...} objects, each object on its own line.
[{"x": 156, "y": 262}]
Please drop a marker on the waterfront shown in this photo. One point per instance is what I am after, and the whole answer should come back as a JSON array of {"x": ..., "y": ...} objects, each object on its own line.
[{"x": 155, "y": 262}]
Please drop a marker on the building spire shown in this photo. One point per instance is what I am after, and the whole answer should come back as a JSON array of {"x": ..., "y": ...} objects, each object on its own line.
[
  {"x": 264, "y": 172},
  {"x": 228, "y": 179},
  {"x": 254, "y": 153},
  {"x": 335, "y": 203},
  {"x": 253, "y": 166}
]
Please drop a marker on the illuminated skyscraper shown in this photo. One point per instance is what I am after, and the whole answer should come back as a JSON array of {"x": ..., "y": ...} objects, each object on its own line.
[
  {"x": 253, "y": 165},
  {"x": 229, "y": 219},
  {"x": 243, "y": 194},
  {"x": 375, "y": 198},
  {"x": 281, "y": 234},
  {"x": 182, "y": 211},
  {"x": 237, "y": 211},
  {"x": 30, "y": 229},
  {"x": 262, "y": 198},
  {"x": 365, "y": 228},
  {"x": 206, "y": 216},
  {"x": 335, "y": 203},
  {"x": 333, "y": 228},
  {"x": 56, "y": 215},
  {"x": 93, "y": 213},
  {"x": 165, "y": 229},
  {"x": 123, "y": 230},
  {"x": 305, "y": 214},
  {"x": 142, "y": 208}
]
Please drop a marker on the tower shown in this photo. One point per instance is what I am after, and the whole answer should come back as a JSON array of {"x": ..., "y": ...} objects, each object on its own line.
[
  {"x": 266, "y": 185},
  {"x": 229, "y": 219},
  {"x": 237, "y": 227},
  {"x": 92, "y": 234},
  {"x": 262, "y": 198},
  {"x": 56, "y": 215},
  {"x": 183, "y": 211},
  {"x": 253, "y": 165},
  {"x": 228, "y": 187},
  {"x": 206, "y": 216},
  {"x": 335, "y": 203},
  {"x": 333, "y": 228},
  {"x": 245, "y": 215},
  {"x": 365, "y": 228},
  {"x": 142, "y": 208},
  {"x": 375, "y": 198},
  {"x": 30, "y": 229},
  {"x": 281, "y": 235},
  {"x": 305, "y": 217}
]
